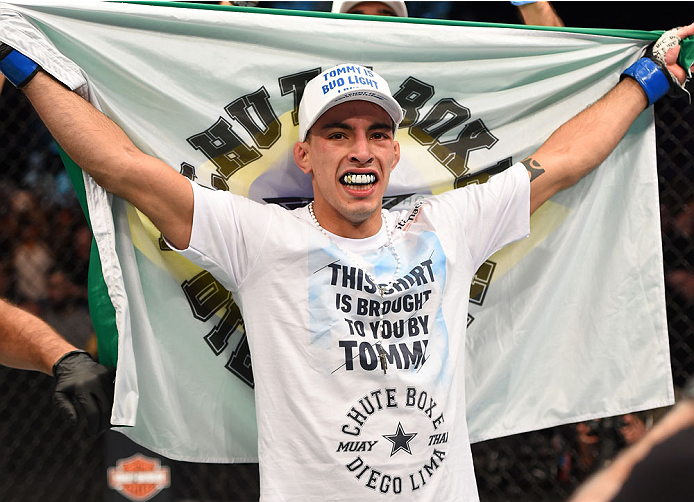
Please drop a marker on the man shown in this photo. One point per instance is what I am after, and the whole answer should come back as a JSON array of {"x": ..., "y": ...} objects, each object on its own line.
[
  {"x": 351, "y": 311},
  {"x": 392, "y": 9},
  {"x": 63, "y": 312},
  {"x": 84, "y": 389},
  {"x": 656, "y": 467},
  {"x": 539, "y": 13}
]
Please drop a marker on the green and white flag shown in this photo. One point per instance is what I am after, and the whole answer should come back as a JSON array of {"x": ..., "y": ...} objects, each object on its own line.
[{"x": 566, "y": 325}]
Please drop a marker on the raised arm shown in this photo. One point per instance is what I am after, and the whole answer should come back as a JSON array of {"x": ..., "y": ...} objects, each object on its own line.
[
  {"x": 103, "y": 150},
  {"x": 538, "y": 13},
  {"x": 582, "y": 143}
]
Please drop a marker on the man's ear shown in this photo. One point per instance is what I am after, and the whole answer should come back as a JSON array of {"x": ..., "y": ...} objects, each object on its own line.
[
  {"x": 396, "y": 147},
  {"x": 301, "y": 156}
]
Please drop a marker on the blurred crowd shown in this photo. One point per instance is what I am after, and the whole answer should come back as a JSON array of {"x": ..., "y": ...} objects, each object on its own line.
[{"x": 45, "y": 241}]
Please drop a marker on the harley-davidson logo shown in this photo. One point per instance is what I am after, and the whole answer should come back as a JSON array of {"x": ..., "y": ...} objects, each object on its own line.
[{"x": 139, "y": 477}]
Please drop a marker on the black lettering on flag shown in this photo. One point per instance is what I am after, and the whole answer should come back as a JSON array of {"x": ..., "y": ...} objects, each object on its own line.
[
  {"x": 163, "y": 246},
  {"x": 481, "y": 281},
  {"x": 444, "y": 116},
  {"x": 188, "y": 171},
  {"x": 411, "y": 96},
  {"x": 218, "y": 183},
  {"x": 240, "y": 362},
  {"x": 295, "y": 84},
  {"x": 218, "y": 337},
  {"x": 206, "y": 296},
  {"x": 484, "y": 175},
  {"x": 225, "y": 149},
  {"x": 269, "y": 130},
  {"x": 289, "y": 202},
  {"x": 390, "y": 201},
  {"x": 454, "y": 154}
]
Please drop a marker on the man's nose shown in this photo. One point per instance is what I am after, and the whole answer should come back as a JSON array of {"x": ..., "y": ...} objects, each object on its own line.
[{"x": 361, "y": 150}]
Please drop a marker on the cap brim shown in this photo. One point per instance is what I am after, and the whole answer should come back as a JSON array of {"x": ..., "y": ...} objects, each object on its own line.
[{"x": 383, "y": 100}]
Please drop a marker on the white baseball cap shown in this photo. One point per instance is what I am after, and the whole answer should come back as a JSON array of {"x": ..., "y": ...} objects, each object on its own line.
[
  {"x": 342, "y": 83},
  {"x": 399, "y": 8}
]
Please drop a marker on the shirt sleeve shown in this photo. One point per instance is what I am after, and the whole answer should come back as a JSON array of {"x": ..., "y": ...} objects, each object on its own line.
[
  {"x": 228, "y": 234},
  {"x": 493, "y": 214}
]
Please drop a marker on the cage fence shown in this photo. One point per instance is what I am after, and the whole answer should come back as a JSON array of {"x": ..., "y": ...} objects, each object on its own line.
[{"x": 44, "y": 250}]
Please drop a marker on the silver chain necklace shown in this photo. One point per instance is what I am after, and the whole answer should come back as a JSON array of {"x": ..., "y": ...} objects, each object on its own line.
[{"x": 382, "y": 289}]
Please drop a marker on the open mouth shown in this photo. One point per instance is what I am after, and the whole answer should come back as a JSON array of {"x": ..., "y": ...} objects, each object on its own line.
[{"x": 358, "y": 181}]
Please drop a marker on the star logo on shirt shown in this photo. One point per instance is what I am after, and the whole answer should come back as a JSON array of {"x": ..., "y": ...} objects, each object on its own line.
[{"x": 401, "y": 440}]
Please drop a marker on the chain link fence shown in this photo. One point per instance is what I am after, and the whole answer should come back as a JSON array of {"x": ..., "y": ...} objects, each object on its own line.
[{"x": 44, "y": 248}]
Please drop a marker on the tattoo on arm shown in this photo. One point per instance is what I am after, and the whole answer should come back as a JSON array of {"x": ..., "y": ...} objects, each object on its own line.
[{"x": 533, "y": 167}]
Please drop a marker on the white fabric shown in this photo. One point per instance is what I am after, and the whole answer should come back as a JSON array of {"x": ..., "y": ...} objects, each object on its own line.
[
  {"x": 323, "y": 403},
  {"x": 564, "y": 326},
  {"x": 21, "y": 35}
]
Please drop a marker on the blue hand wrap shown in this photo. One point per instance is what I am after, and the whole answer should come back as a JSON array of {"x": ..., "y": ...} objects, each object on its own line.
[
  {"x": 16, "y": 67},
  {"x": 650, "y": 77}
]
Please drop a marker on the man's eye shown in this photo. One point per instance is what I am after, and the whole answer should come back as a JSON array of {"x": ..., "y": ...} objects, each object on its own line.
[{"x": 337, "y": 135}]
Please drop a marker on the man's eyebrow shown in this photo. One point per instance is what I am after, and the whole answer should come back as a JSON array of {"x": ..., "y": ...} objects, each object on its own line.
[
  {"x": 342, "y": 125},
  {"x": 336, "y": 125},
  {"x": 381, "y": 125}
]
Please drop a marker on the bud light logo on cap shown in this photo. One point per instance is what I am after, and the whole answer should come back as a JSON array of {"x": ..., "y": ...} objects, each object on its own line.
[
  {"x": 348, "y": 77},
  {"x": 345, "y": 82}
]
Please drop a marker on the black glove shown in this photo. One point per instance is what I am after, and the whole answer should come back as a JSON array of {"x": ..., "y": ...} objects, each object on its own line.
[{"x": 84, "y": 389}]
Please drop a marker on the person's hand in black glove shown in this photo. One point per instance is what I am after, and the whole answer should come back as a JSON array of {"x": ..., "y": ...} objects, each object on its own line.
[{"x": 84, "y": 390}]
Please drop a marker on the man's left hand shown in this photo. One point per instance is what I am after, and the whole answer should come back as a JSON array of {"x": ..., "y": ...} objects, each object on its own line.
[{"x": 671, "y": 54}]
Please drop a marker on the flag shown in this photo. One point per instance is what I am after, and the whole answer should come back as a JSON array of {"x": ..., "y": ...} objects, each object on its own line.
[{"x": 566, "y": 325}]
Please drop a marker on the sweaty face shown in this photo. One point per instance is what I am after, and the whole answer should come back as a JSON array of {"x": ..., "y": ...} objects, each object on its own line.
[{"x": 349, "y": 152}]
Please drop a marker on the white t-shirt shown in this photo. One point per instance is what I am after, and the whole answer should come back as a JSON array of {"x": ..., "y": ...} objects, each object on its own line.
[{"x": 331, "y": 424}]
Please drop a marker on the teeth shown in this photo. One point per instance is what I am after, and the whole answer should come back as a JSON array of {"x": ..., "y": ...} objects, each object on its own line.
[{"x": 359, "y": 179}]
